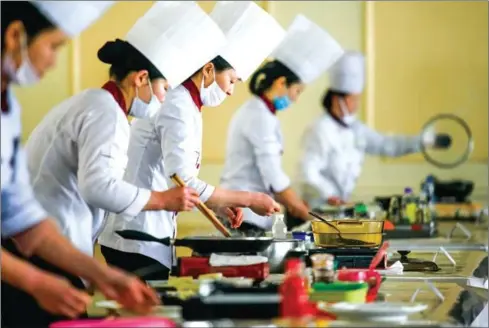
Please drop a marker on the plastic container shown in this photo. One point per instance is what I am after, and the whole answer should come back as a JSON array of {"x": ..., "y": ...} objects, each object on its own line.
[
  {"x": 366, "y": 233},
  {"x": 409, "y": 206},
  {"x": 371, "y": 277},
  {"x": 279, "y": 228},
  {"x": 323, "y": 268},
  {"x": 146, "y": 322},
  {"x": 339, "y": 292}
]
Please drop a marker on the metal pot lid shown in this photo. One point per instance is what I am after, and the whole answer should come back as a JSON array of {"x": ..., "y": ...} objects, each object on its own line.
[{"x": 460, "y": 146}]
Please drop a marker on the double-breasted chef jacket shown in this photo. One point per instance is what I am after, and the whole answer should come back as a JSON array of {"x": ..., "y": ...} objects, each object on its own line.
[
  {"x": 334, "y": 152},
  {"x": 255, "y": 142},
  {"x": 334, "y": 155},
  {"x": 20, "y": 209},
  {"x": 78, "y": 153},
  {"x": 171, "y": 141}
]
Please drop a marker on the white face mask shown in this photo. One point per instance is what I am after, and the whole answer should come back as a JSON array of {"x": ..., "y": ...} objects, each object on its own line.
[
  {"x": 140, "y": 109},
  {"x": 347, "y": 118},
  {"x": 212, "y": 96},
  {"x": 26, "y": 74}
]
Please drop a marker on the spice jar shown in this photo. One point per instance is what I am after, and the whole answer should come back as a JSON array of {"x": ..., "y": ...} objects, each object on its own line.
[{"x": 323, "y": 268}]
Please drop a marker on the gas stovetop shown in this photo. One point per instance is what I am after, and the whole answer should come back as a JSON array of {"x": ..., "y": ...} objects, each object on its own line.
[{"x": 350, "y": 258}]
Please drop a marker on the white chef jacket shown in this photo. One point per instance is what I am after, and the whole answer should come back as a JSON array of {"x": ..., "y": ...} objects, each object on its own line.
[
  {"x": 20, "y": 210},
  {"x": 77, "y": 157},
  {"x": 254, "y": 155},
  {"x": 170, "y": 142},
  {"x": 334, "y": 154}
]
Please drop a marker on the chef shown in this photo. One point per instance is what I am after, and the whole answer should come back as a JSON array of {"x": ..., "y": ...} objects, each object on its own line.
[
  {"x": 36, "y": 295},
  {"x": 255, "y": 141},
  {"x": 171, "y": 141},
  {"x": 78, "y": 153},
  {"x": 335, "y": 144}
]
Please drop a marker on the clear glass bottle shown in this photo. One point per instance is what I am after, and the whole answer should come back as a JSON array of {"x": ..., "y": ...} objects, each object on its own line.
[{"x": 279, "y": 229}]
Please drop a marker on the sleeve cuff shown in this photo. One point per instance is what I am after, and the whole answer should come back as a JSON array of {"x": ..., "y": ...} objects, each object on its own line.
[
  {"x": 206, "y": 193},
  {"x": 139, "y": 202},
  {"x": 20, "y": 223},
  {"x": 281, "y": 184}
]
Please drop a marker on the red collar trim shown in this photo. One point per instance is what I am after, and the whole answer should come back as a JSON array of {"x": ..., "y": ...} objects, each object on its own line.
[
  {"x": 194, "y": 93},
  {"x": 116, "y": 92},
  {"x": 269, "y": 104}
]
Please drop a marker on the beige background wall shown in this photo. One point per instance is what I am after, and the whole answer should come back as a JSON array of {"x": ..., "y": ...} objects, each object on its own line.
[{"x": 395, "y": 45}]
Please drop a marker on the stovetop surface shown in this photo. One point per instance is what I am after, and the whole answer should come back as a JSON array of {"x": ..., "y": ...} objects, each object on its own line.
[
  {"x": 316, "y": 250},
  {"x": 345, "y": 251}
]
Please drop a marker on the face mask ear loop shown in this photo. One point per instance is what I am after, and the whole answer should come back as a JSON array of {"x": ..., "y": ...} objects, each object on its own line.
[
  {"x": 151, "y": 89},
  {"x": 24, "y": 49},
  {"x": 343, "y": 107}
]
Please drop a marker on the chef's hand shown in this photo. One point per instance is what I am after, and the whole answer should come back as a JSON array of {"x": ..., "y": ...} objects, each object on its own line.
[
  {"x": 263, "y": 204},
  {"x": 58, "y": 296},
  {"x": 176, "y": 199},
  {"x": 335, "y": 201},
  {"x": 234, "y": 215},
  {"x": 128, "y": 290}
]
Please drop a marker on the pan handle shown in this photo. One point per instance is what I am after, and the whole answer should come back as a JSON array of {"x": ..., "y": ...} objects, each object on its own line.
[
  {"x": 183, "y": 243},
  {"x": 204, "y": 209}
]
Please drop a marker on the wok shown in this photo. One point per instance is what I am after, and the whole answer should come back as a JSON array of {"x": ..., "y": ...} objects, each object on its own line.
[{"x": 205, "y": 245}]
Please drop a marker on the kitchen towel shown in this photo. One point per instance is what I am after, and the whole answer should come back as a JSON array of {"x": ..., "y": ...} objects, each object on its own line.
[{"x": 217, "y": 260}]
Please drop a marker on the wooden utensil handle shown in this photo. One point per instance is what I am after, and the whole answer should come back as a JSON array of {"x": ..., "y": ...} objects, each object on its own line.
[{"x": 204, "y": 209}]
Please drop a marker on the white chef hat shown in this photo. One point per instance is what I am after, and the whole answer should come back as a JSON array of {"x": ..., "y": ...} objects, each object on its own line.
[
  {"x": 251, "y": 34},
  {"x": 178, "y": 37},
  {"x": 348, "y": 73},
  {"x": 73, "y": 16},
  {"x": 307, "y": 50}
]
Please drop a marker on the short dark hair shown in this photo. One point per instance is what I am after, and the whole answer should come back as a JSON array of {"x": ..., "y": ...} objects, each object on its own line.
[
  {"x": 328, "y": 98},
  {"x": 220, "y": 64},
  {"x": 124, "y": 59},
  {"x": 264, "y": 77},
  {"x": 34, "y": 21}
]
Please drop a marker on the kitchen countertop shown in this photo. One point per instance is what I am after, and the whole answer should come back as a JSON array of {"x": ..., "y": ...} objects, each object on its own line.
[{"x": 448, "y": 282}]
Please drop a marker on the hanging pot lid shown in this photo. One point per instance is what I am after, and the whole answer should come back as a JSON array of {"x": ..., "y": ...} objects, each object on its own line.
[{"x": 457, "y": 135}]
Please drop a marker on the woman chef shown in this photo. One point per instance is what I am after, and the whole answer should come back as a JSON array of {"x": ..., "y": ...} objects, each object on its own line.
[
  {"x": 78, "y": 153},
  {"x": 335, "y": 145},
  {"x": 32, "y": 32},
  {"x": 171, "y": 142},
  {"x": 255, "y": 146}
]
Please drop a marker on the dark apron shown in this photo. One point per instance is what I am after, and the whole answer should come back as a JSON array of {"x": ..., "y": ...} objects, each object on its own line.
[
  {"x": 145, "y": 267},
  {"x": 292, "y": 221},
  {"x": 19, "y": 309}
]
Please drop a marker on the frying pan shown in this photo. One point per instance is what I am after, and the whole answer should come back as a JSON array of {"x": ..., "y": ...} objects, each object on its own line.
[{"x": 205, "y": 245}]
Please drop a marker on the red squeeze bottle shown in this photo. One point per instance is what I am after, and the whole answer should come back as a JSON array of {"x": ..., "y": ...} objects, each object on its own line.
[{"x": 293, "y": 292}]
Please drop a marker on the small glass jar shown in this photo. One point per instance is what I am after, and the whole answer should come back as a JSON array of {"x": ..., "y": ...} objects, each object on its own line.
[{"x": 323, "y": 268}]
